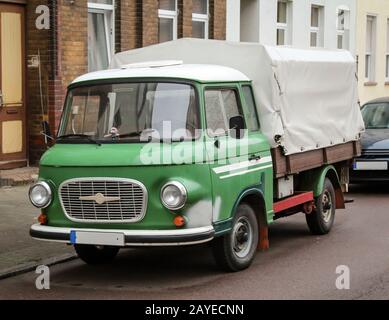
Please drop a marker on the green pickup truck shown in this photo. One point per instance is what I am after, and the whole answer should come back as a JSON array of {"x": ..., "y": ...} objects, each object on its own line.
[{"x": 167, "y": 154}]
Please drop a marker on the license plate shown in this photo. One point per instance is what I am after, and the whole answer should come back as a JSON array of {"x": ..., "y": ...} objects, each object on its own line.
[
  {"x": 370, "y": 165},
  {"x": 97, "y": 238}
]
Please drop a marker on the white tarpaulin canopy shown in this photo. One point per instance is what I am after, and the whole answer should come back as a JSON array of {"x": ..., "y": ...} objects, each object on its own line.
[{"x": 307, "y": 99}]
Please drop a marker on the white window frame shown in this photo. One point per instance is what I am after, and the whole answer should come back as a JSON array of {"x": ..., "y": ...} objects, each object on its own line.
[
  {"x": 344, "y": 33},
  {"x": 284, "y": 26},
  {"x": 387, "y": 52},
  {"x": 109, "y": 16},
  {"x": 370, "y": 56},
  {"x": 319, "y": 29},
  {"x": 199, "y": 17},
  {"x": 170, "y": 14}
]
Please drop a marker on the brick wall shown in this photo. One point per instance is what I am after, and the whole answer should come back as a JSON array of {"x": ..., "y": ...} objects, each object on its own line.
[
  {"x": 73, "y": 32},
  {"x": 217, "y": 20},
  {"x": 127, "y": 25},
  {"x": 64, "y": 49},
  {"x": 149, "y": 22},
  {"x": 185, "y": 8},
  {"x": 36, "y": 41}
]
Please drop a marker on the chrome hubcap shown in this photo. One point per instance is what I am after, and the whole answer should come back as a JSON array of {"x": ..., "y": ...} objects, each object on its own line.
[
  {"x": 242, "y": 237},
  {"x": 327, "y": 206}
]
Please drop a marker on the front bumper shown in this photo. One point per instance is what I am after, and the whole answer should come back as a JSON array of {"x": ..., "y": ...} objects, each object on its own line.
[
  {"x": 360, "y": 176},
  {"x": 368, "y": 175},
  {"x": 175, "y": 237}
]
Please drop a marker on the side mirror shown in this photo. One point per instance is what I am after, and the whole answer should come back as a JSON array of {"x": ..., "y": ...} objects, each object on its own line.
[
  {"x": 237, "y": 127},
  {"x": 46, "y": 132}
]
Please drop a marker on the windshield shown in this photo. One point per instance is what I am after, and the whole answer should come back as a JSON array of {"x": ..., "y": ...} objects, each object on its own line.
[
  {"x": 131, "y": 112},
  {"x": 376, "y": 115}
]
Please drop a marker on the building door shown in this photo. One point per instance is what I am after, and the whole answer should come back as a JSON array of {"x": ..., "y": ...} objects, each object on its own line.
[{"x": 12, "y": 94}]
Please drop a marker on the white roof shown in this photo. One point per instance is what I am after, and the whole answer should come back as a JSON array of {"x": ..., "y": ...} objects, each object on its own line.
[{"x": 199, "y": 72}]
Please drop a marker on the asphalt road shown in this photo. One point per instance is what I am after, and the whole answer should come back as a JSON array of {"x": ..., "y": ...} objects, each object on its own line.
[{"x": 297, "y": 266}]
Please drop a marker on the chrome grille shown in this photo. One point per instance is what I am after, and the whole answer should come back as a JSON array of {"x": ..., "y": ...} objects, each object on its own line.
[{"x": 130, "y": 208}]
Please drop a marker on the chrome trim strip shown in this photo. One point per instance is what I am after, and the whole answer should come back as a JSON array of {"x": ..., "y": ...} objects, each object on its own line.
[
  {"x": 246, "y": 171},
  {"x": 113, "y": 179},
  {"x": 168, "y": 233},
  {"x": 242, "y": 165}
]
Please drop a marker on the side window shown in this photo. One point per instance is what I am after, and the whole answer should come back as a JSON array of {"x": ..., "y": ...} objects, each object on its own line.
[
  {"x": 252, "y": 116},
  {"x": 220, "y": 106}
]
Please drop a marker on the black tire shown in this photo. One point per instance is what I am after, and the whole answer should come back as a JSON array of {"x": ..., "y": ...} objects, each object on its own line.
[
  {"x": 322, "y": 218},
  {"x": 96, "y": 254},
  {"x": 236, "y": 250}
]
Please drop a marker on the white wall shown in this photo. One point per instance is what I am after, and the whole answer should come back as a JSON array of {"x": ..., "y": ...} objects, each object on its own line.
[
  {"x": 249, "y": 22},
  {"x": 259, "y": 23},
  {"x": 233, "y": 20}
]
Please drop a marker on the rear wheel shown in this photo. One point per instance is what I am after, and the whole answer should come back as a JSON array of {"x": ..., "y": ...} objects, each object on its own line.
[
  {"x": 236, "y": 250},
  {"x": 96, "y": 254},
  {"x": 322, "y": 218}
]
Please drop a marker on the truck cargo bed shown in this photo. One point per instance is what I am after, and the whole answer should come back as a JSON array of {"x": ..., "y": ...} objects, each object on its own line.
[{"x": 295, "y": 163}]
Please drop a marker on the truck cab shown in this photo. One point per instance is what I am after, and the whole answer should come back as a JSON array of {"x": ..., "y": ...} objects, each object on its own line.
[{"x": 161, "y": 154}]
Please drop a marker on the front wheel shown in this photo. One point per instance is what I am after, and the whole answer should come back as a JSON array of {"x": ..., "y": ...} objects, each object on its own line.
[
  {"x": 322, "y": 218},
  {"x": 236, "y": 250},
  {"x": 96, "y": 254}
]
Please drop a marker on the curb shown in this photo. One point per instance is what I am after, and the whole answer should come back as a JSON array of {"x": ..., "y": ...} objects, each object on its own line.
[
  {"x": 16, "y": 182},
  {"x": 5, "y": 182},
  {"x": 27, "y": 267}
]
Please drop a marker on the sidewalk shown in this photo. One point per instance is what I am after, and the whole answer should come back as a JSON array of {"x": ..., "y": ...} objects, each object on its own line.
[{"x": 18, "y": 251}]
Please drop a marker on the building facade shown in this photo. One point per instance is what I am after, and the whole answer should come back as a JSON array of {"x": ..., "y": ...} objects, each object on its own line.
[
  {"x": 45, "y": 44},
  {"x": 328, "y": 24},
  {"x": 372, "y": 49}
]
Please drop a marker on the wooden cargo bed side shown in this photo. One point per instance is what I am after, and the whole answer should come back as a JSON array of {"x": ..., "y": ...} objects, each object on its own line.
[{"x": 295, "y": 163}]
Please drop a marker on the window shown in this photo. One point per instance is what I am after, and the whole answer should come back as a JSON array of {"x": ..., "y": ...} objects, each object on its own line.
[
  {"x": 343, "y": 28},
  {"x": 376, "y": 115},
  {"x": 387, "y": 52},
  {"x": 283, "y": 22},
  {"x": 370, "y": 48},
  {"x": 132, "y": 112},
  {"x": 252, "y": 116},
  {"x": 316, "y": 36},
  {"x": 220, "y": 106},
  {"x": 167, "y": 15},
  {"x": 200, "y": 19},
  {"x": 100, "y": 33}
]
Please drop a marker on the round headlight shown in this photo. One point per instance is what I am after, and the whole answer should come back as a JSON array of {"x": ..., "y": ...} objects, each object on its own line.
[
  {"x": 40, "y": 194},
  {"x": 173, "y": 195}
]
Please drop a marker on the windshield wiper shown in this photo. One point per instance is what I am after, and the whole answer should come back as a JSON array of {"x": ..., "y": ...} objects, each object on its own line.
[
  {"x": 136, "y": 133},
  {"x": 79, "y": 135}
]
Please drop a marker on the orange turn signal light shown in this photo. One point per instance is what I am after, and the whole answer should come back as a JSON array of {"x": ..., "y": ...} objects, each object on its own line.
[
  {"x": 179, "y": 221},
  {"x": 42, "y": 219}
]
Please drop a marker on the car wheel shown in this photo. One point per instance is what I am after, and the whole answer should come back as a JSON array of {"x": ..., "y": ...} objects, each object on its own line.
[
  {"x": 322, "y": 218},
  {"x": 236, "y": 250}
]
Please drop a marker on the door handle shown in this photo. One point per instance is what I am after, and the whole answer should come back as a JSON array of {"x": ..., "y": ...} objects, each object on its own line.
[
  {"x": 254, "y": 157},
  {"x": 1, "y": 99}
]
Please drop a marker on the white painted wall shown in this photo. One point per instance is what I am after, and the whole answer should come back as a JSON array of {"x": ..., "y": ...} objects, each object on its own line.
[
  {"x": 249, "y": 22},
  {"x": 233, "y": 20},
  {"x": 256, "y": 21}
]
